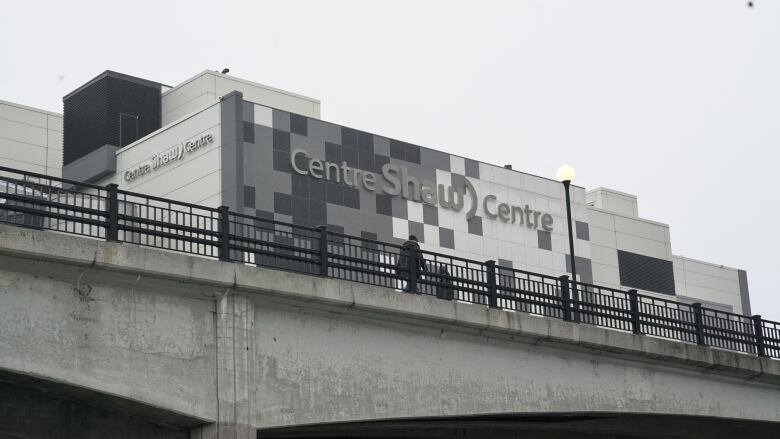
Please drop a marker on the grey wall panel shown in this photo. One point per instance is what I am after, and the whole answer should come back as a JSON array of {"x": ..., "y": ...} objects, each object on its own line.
[
  {"x": 93, "y": 166},
  {"x": 232, "y": 155},
  {"x": 744, "y": 293}
]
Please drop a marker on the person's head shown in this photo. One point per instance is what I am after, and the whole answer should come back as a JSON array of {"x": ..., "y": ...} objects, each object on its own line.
[{"x": 412, "y": 238}]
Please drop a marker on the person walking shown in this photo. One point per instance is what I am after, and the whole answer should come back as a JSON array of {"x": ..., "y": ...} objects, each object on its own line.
[
  {"x": 403, "y": 265},
  {"x": 445, "y": 289}
]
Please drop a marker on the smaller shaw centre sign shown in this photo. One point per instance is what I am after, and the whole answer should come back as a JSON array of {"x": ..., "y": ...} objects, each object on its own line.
[
  {"x": 395, "y": 180},
  {"x": 170, "y": 155}
]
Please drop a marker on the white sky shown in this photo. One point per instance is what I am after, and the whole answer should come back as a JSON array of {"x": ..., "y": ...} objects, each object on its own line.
[{"x": 677, "y": 101}]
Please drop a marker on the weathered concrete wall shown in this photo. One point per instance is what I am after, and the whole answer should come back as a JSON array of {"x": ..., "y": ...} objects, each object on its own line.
[
  {"x": 32, "y": 414},
  {"x": 74, "y": 324},
  {"x": 240, "y": 347},
  {"x": 320, "y": 368}
]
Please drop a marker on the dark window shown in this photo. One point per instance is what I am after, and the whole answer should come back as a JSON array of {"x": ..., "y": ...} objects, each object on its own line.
[
  {"x": 645, "y": 273},
  {"x": 299, "y": 124},
  {"x": 396, "y": 149},
  {"x": 430, "y": 215},
  {"x": 332, "y": 152},
  {"x": 249, "y": 196},
  {"x": 544, "y": 240},
  {"x": 349, "y": 137},
  {"x": 384, "y": 205},
  {"x": 472, "y": 168},
  {"x": 583, "y": 231},
  {"x": 446, "y": 237},
  {"x": 366, "y": 142},
  {"x": 318, "y": 211},
  {"x": 300, "y": 185},
  {"x": 249, "y": 132},
  {"x": 281, "y": 140},
  {"x": 412, "y": 153},
  {"x": 475, "y": 225},
  {"x": 351, "y": 198},
  {"x": 282, "y": 203}
]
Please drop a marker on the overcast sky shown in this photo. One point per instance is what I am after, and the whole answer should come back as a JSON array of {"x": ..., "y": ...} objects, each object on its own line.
[{"x": 677, "y": 101}]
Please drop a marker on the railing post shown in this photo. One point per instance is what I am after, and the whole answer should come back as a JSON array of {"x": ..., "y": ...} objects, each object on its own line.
[
  {"x": 633, "y": 300},
  {"x": 758, "y": 328},
  {"x": 490, "y": 268},
  {"x": 112, "y": 228},
  {"x": 698, "y": 319},
  {"x": 574, "y": 296},
  {"x": 565, "y": 297},
  {"x": 224, "y": 233},
  {"x": 323, "y": 250},
  {"x": 411, "y": 284}
]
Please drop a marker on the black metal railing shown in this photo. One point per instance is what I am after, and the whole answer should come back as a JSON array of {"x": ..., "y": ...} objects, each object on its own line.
[{"x": 42, "y": 202}]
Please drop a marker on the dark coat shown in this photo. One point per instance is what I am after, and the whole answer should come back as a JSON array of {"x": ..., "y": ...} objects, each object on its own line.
[
  {"x": 445, "y": 289},
  {"x": 404, "y": 257}
]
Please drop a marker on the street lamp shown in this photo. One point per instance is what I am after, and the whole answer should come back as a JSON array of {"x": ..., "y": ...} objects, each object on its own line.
[{"x": 565, "y": 175}]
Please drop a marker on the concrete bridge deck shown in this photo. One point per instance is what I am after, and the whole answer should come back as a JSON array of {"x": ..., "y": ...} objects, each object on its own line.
[{"x": 180, "y": 345}]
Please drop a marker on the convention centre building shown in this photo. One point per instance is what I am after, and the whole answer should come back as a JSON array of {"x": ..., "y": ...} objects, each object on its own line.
[{"x": 217, "y": 140}]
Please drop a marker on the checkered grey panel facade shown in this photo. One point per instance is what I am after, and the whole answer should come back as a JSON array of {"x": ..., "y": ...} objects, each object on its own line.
[{"x": 268, "y": 187}]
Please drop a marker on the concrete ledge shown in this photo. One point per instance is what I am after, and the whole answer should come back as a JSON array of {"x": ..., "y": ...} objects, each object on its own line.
[
  {"x": 56, "y": 254},
  {"x": 92, "y": 166}
]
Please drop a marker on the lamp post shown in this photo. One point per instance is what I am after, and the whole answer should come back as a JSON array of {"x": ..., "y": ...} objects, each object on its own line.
[{"x": 565, "y": 175}]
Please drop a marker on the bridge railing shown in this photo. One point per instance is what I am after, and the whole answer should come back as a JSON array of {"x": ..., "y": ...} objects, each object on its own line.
[{"x": 42, "y": 202}]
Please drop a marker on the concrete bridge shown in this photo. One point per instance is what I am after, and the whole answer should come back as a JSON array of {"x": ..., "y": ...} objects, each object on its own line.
[{"x": 100, "y": 339}]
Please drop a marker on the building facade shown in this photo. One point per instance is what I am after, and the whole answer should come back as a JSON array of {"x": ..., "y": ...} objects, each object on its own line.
[
  {"x": 264, "y": 152},
  {"x": 30, "y": 139}
]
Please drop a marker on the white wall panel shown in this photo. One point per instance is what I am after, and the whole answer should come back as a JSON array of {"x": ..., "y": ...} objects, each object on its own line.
[
  {"x": 21, "y": 132},
  {"x": 431, "y": 235},
  {"x": 603, "y": 237},
  {"x": 188, "y": 107},
  {"x": 196, "y": 191},
  {"x": 601, "y": 219},
  {"x": 54, "y": 159},
  {"x": 642, "y": 246},
  {"x": 696, "y": 291},
  {"x": 694, "y": 266},
  {"x": 457, "y": 165},
  {"x": 604, "y": 255},
  {"x": 207, "y": 87},
  {"x": 638, "y": 227},
  {"x": 487, "y": 172},
  {"x": 54, "y": 123},
  {"x": 401, "y": 228},
  {"x": 22, "y": 115},
  {"x": 30, "y": 139},
  {"x": 23, "y": 166},
  {"x": 607, "y": 275},
  {"x": 263, "y": 116},
  {"x": 22, "y": 152},
  {"x": 712, "y": 282},
  {"x": 707, "y": 282},
  {"x": 268, "y": 96},
  {"x": 54, "y": 140}
]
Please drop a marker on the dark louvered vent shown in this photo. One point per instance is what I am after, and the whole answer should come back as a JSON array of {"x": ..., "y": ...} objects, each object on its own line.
[
  {"x": 646, "y": 273},
  {"x": 111, "y": 109}
]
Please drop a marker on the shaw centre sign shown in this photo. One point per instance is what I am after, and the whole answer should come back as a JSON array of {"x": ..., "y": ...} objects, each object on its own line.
[
  {"x": 168, "y": 156},
  {"x": 395, "y": 180}
]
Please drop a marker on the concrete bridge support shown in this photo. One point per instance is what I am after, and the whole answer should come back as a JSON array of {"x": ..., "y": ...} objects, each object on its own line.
[{"x": 235, "y": 342}]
